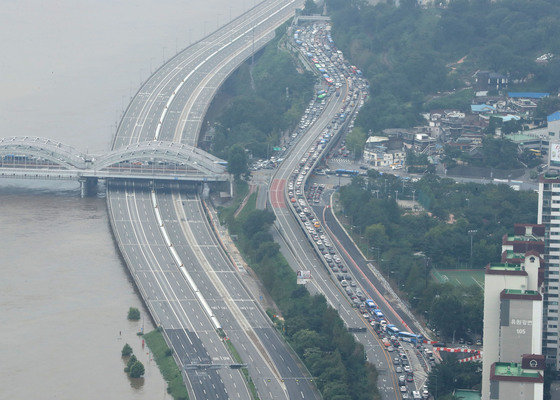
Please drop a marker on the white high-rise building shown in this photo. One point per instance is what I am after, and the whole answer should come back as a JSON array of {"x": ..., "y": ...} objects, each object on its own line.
[
  {"x": 549, "y": 216},
  {"x": 513, "y": 310}
]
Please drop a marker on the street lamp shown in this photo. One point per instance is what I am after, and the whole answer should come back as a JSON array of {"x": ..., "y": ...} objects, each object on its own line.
[{"x": 471, "y": 233}]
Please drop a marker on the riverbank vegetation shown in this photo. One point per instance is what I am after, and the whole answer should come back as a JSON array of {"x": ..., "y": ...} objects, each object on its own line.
[
  {"x": 407, "y": 243},
  {"x": 163, "y": 356}
]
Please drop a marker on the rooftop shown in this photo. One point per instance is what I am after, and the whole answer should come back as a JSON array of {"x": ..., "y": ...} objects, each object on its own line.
[
  {"x": 521, "y": 292},
  {"x": 465, "y": 394},
  {"x": 515, "y": 370},
  {"x": 482, "y": 108},
  {"x": 377, "y": 139},
  {"x": 521, "y": 137},
  {"x": 505, "y": 267},
  {"x": 553, "y": 117},
  {"x": 513, "y": 254},
  {"x": 528, "y": 95},
  {"x": 523, "y": 238}
]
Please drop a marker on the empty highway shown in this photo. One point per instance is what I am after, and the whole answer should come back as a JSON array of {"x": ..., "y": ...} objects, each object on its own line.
[{"x": 188, "y": 283}]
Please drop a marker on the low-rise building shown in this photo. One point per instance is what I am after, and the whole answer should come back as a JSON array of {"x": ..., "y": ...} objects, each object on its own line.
[{"x": 381, "y": 151}]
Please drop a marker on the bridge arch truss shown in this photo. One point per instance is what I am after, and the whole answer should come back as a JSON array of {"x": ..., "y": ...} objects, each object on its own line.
[{"x": 40, "y": 148}]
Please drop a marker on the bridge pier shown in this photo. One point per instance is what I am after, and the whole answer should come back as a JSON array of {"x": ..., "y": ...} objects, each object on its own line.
[{"x": 87, "y": 185}]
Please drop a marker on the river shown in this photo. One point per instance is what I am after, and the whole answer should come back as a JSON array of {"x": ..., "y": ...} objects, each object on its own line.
[{"x": 68, "y": 69}]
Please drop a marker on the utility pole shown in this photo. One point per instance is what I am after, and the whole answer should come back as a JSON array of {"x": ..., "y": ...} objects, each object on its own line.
[{"x": 471, "y": 233}]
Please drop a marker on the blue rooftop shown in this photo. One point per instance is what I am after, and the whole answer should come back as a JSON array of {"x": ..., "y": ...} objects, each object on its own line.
[
  {"x": 553, "y": 117},
  {"x": 528, "y": 95},
  {"x": 482, "y": 108}
]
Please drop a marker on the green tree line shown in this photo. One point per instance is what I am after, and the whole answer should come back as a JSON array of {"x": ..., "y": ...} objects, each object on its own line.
[
  {"x": 410, "y": 244},
  {"x": 407, "y": 52},
  {"x": 314, "y": 329}
]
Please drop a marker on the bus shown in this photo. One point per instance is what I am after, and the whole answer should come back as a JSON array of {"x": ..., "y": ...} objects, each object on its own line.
[
  {"x": 410, "y": 337},
  {"x": 392, "y": 329},
  {"x": 536, "y": 152},
  {"x": 370, "y": 304},
  {"x": 346, "y": 172}
]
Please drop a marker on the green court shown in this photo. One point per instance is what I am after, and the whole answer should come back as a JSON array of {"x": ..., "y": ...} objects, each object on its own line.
[{"x": 460, "y": 277}]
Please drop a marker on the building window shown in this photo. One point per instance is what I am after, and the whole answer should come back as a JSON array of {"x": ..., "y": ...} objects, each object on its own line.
[{"x": 553, "y": 318}]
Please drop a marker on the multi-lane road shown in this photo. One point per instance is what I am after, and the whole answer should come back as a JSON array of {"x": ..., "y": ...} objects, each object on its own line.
[
  {"x": 188, "y": 283},
  {"x": 301, "y": 227}
]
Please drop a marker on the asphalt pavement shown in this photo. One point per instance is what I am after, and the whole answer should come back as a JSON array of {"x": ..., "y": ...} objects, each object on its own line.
[{"x": 171, "y": 106}]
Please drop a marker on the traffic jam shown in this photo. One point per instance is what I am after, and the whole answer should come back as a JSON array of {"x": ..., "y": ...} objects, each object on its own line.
[{"x": 315, "y": 43}]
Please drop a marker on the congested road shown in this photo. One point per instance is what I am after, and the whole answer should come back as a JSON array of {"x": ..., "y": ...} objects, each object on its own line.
[
  {"x": 190, "y": 286},
  {"x": 307, "y": 244}
]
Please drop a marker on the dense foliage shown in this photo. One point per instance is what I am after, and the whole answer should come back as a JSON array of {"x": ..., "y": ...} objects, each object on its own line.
[
  {"x": 450, "y": 375},
  {"x": 314, "y": 329},
  {"x": 409, "y": 52},
  {"x": 494, "y": 153},
  {"x": 264, "y": 100},
  {"x": 133, "y": 314},
  {"x": 126, "y": 350},
  {"x": 409, "y": 244}
]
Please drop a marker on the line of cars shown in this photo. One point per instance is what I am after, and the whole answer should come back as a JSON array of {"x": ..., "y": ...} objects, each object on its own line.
[
  {"x": 313, "y": 40},
  {"x": 301, "y": 196}
]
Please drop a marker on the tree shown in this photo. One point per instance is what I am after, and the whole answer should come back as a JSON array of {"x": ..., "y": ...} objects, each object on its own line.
[
  {"x": 237, "y": 161},
  {"x": 376, "y": 235},
  {"x": 547, "y": 106},
  {"x": 257, "y": 220},
  {"x": 310, "y": 8},
  {"x": 126, "y": 350},
  {"x": 133, "y": 314},
  {"x": 356, "y": 140},
  {"x": 130, "y": 362},
  {"x": 449, "y": 375},
  {"x": 136, "y": 370}
]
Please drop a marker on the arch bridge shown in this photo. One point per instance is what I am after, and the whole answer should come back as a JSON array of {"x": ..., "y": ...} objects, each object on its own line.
[{"x": 40, "y": 158}]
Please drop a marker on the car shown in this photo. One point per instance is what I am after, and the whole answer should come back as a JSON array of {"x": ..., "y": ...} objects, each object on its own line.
[
  {"x": 409, "y": 378},
  {"x": 396, "y": 361},
  {"x": 405, "y": 395},
  {"x": 478, "y": 342},
  {"x": 398, "y": 369},
  {"x": 353, "y": 284},
  {"x": 402, "y": 379},
  {"x": 344, "y": 283},
  {"x": 390, "y": 349},
  {"x": 403, "y": 389}
]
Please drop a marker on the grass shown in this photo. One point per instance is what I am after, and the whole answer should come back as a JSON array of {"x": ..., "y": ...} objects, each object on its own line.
[
  {"x": 167, "y": 365},
  {"x": 237, "y": 358},
  {"x": 249, "y": 206},
  {"x": 226, "y": 213},
  {"x": 460, "y": 277}
]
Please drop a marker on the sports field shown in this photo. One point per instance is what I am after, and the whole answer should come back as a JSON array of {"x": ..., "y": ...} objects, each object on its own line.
[{"x": 460, "y": 277}]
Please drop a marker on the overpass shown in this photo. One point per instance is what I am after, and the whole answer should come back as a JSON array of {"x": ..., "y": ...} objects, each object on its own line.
[{"x": 40, "y": 158}]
